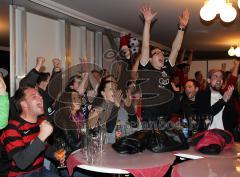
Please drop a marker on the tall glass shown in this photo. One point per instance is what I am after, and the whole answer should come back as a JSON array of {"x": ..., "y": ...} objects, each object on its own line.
[
  {"x": 101, "y": 137},
  {"x": 207, "y": 118}
]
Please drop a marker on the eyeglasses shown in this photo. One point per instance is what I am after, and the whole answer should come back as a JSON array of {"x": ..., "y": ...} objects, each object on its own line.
[{"x": 157, "y": 52}]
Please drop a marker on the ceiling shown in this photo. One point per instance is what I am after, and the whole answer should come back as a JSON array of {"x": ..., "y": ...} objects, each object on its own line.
[{"x": 200, "y": 36}]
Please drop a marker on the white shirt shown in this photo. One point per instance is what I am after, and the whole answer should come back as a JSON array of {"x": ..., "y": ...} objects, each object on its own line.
[{"x": 217, "y": 119}]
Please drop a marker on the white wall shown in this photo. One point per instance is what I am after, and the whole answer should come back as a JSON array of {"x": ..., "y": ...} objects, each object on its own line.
[
  {"x": 46, "y": 38},
  {"x": 33, "y": 35},
  {"x": 198, "y": 66},
  {"x": 204, "y": 66}
]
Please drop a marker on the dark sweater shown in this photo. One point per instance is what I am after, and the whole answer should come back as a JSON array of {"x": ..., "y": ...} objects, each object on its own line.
[{"x": 203, "y": 105}]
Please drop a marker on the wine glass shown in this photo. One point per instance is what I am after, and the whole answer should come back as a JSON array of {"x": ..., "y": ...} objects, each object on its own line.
[
  {"x": 60, "y": 153},
  {"x": 207, "y": 118},
  {"x": 194, "y": 124}
]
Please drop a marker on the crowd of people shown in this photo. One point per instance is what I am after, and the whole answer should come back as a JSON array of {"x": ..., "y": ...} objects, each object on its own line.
[{"x": 45, "y": 110}]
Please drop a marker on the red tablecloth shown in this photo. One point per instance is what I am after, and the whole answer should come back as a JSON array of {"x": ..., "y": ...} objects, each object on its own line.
[{"x": 145, "y": 164}]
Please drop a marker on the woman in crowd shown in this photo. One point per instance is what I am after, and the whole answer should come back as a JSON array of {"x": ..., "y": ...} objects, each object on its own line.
[{"x": 69, "y": 124}]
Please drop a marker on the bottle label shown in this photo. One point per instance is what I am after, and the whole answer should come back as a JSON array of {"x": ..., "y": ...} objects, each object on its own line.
[{"x": 118, "y": 134}]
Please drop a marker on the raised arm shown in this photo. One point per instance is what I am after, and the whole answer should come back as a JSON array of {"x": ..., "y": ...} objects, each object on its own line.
[
  {"x": 148, "y": 17},
  {"x": 235, "y": 68},
  {"x": 87, "y": 69},
  {"x": 31, "y": 78},
  {"x": 134, "y": 71},
  {"x": 183, "y": 21}
]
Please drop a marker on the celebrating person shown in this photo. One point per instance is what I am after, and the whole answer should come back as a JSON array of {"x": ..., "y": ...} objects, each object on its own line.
[
  {"x": 160, "y": 68},
  {"x": 25, "y": 136}
]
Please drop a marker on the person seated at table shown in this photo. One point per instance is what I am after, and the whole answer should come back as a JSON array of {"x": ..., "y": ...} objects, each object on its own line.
[
  {"x": 110, "y": 100},
  {"x": 127, "y": 101},
  {"x": 70, "y": 124},
  {"x": 219, "y": 106},
  {"x": 191, "y": 89},
  {"x": 185, "y": 106},
  {"x": 24, "y": 139}
]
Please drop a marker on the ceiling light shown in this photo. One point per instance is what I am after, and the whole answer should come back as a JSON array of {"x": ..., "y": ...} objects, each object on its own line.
[
  {"x": 213, "y": 7},
  {"x": 237, "y": 51},
  {"x": 228, "y": 13},
  {"x": 217, "y": 5},
  {"x": 206, "y": 13},
  {"x": 231, "y": 51}
]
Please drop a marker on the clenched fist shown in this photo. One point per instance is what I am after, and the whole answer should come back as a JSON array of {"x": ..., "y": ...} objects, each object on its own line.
[{"x": 46, "y": 130}]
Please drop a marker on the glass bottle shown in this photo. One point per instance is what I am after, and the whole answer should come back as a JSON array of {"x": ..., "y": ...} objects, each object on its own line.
[
  {"x": 185, "y": 129},
  {"x": 118, "y": 133}
]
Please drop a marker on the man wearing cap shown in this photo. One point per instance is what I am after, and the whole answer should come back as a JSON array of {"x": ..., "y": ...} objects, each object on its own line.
[{"x": 213, "y": 103}]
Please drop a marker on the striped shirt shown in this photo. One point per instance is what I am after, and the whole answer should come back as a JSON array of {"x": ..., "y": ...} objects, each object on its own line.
[{"x": 18, "y": 135}]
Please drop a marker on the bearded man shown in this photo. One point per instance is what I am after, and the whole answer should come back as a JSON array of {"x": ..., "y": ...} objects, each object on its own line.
[{"x": 212, "y": 102}]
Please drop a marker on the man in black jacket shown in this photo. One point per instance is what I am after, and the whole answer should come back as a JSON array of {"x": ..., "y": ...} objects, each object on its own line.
[
  {"x": 40, "y": 80},
  {"x": 212, "y": 102}
]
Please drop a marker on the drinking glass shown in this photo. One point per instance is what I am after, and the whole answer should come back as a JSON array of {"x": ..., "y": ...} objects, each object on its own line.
[
  {"x": 207, "y": 120},
  {"x": 101, "y": 137},
  {"x": 193, "y": 124},
  {"x": 60, "y": 153}
]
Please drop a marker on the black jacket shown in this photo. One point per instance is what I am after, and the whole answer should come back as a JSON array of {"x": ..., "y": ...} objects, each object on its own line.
[
  {"x": 203, "y": 105},
  {"x": 48, "y": 99}
]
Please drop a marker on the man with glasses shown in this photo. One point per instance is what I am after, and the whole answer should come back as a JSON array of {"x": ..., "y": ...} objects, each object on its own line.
[{"x": 161, "y": 68}]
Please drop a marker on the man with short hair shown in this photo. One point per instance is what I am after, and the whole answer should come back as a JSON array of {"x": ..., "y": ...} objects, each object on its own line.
[
  {"x": 25, "y": 136},
  {"x": 188, "y": 102},
  {"x": 185, "y": 105},
  {"x": 212, "y": 102},
  {"x": 161, "y": 68},
  {"x": 202, "y": 83}
]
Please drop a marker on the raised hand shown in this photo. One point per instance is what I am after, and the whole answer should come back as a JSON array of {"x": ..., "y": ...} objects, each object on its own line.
[
  {"x": 118, "y": 97},
  {"x": 147, "y": 13},
  {"x": 39, "y": 63},
  {"x": 46, "y": 130},
  {"x": 227, "y": 95},
  {"x": 127, "y": 101},
  {"x": 94, "y": 117},
  {"x": 56, "y": 64},
  {"x": 236, "y": 63},
  {"x": 223, "y": 66},
  {"x": 183, "y": 19},
  {"x": 2, "y": 86}
]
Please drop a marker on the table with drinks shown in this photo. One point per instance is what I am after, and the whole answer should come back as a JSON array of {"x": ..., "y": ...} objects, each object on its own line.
[
  {"x": 102, "y": 158},
  {"x": 110, "y": 161}
]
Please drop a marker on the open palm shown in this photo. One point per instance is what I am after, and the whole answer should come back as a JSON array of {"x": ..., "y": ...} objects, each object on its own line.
[
  {"x": 183, "y": 20},
  {"x": 147, "y": 13}
]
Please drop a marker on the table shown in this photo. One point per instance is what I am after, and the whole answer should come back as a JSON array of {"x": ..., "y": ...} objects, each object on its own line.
[
  {"x": 227, "y": 163},
  {"x": 226, "y": 167},
  {"x": 229, "y": 153},
  {"x": 144, "y": 164}
]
